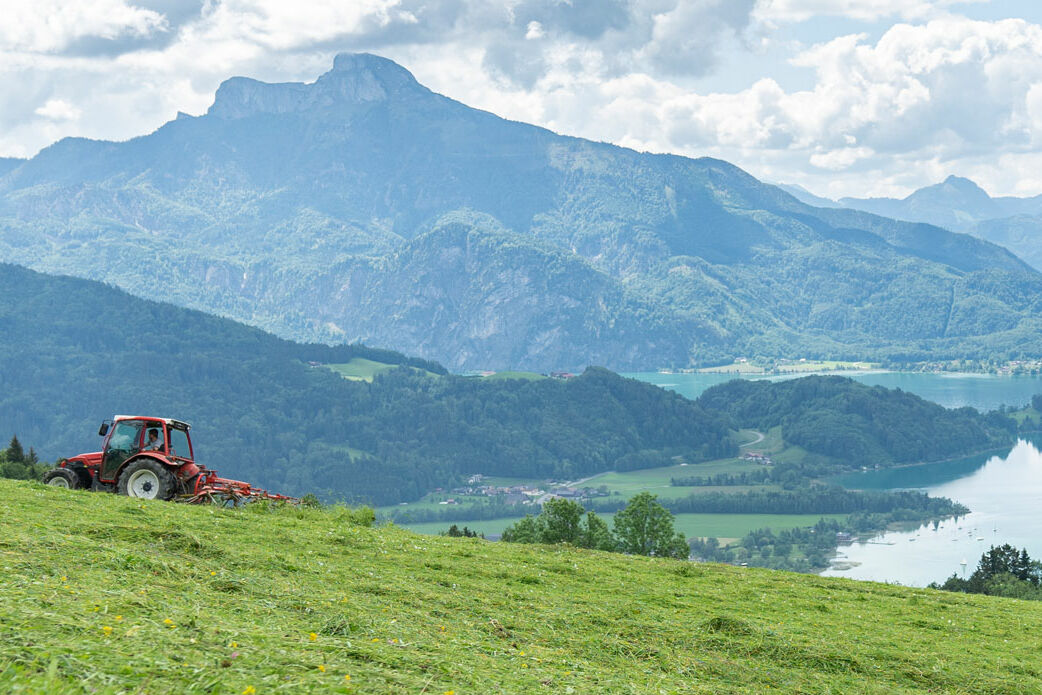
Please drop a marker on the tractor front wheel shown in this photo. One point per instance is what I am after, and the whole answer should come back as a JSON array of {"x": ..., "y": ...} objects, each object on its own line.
[
  {"x": 61, "y": 477},
  {"x": 147, "y": 479}
]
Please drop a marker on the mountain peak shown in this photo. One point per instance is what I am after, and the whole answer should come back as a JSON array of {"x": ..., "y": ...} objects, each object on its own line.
[
  {"x": 962, "y": 184},
  {"x": 356, "y": 78},
  {"x": 382, "y": 68},
  {"x": 954, "y": 191}
]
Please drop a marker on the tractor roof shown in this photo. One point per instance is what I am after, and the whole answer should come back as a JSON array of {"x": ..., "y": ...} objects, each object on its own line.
[{"x": 169, "y": 421}]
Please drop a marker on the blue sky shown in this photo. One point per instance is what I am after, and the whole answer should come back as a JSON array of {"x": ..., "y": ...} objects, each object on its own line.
[{"x": 845, "y": 97}]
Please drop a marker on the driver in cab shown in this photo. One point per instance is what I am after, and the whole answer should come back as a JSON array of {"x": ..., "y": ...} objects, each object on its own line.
[{"x": 154, "y": 443}]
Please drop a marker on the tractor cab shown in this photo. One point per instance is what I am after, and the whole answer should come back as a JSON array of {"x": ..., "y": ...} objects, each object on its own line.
[{"x": 128, "y": 435}]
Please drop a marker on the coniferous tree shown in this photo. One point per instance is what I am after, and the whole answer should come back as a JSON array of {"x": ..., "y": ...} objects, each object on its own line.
[{"x": 15, "y": 452}]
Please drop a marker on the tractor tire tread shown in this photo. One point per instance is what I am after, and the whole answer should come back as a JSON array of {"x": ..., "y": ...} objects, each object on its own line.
[
  {"x": 69, "y": 475},
  {"x": 167, "y": 480}
]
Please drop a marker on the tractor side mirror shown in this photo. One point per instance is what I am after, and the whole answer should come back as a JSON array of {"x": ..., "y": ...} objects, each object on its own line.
[{"x": 104, "y": 429}]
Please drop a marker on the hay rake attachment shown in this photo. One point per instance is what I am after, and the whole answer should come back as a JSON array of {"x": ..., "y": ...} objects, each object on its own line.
[{"x": 212, "y": 489}]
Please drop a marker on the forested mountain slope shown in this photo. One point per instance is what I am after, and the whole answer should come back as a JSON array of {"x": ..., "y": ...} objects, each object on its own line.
[
  {"x": 859, "y": 425},
  {"x": 74, "y": 352},
  {"x": 365, "y": 207}
]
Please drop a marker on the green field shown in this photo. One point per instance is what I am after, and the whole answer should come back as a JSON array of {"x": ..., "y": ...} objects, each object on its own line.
[
  {"x": 657, "y": 480},
  {"x": 525, "y": 376},
  {"x": 726, "y": 527},
  {"x": 360, "y": 369},
  {"x": 103, "y": 594}
]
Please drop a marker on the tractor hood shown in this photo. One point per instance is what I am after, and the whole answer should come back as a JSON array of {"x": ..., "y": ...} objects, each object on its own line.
[{"x": 88, "y": 459}]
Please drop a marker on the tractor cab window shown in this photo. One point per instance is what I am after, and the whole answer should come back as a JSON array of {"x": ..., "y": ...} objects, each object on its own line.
[
  {"x": 126, "y": 436},
  {"x": 179, "y": 443},
  {"x": 124, "y": 441}
]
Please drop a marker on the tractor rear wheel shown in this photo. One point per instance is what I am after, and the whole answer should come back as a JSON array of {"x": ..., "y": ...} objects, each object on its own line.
[
  {"x": 62, "y": 477},
  {"x": 147, "y": 479}
]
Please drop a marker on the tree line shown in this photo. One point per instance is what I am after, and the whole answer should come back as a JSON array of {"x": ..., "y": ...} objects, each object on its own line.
[
  {"x": 18, "y": 464},
  {"x": 642, "y": 527},
  {"x": 1001, "y": 571}
]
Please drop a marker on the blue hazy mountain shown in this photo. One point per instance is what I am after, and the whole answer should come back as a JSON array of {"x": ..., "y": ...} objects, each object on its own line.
[
  {"x": 961, "y": 205},
  {"x": 9, "y": 164},
  {"x": 363, "y": 206},
  {"x": 804, "y": 196}
]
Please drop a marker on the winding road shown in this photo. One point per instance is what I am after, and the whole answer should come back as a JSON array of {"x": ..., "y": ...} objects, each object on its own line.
[{"x": 761, "y": 436}]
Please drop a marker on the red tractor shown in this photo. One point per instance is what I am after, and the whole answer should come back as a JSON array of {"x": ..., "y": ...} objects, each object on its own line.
[{"x": 151, "y": 458}]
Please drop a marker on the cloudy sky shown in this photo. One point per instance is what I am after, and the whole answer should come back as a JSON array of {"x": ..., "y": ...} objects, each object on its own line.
[{"x": 846, "y": 97}]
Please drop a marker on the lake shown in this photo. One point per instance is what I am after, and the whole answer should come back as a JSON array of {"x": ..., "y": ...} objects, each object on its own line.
[
  {"x": 1003, "y": 493},
  {"x": 1003, "y": 490},
  {"x": 952, "y": 390}
]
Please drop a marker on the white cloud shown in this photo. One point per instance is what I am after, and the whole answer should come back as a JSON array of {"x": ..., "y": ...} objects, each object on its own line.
[
  {"x": 867, "y": 10},
  {"x": 58, "y": 110},
  {"x": 52, "y": 25},
  {"x": 940, "y": 95}
]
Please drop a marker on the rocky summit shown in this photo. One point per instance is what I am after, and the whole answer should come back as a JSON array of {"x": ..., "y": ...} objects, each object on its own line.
[{"x": 364, "y": 207}]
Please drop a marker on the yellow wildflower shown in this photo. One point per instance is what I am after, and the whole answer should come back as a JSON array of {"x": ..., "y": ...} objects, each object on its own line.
[
  {"x": 107, "y": 630},
  {"x": 312, "y": 636},
  {"x": 376, "y": 639},
  {"x": 168, "y": 622},
  {"x": 322, "y": 668},
  {"x": 347, "y": 678},
  {"x": 250, "y": 690},
  {"x": 234, "y": 645},
  {"x": 119, "y": 618}
]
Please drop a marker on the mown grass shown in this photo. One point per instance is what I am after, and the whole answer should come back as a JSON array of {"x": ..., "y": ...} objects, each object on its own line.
[{"x": 103, "y": 594}]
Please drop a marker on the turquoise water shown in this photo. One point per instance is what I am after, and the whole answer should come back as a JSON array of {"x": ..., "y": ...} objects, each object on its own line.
[
  {"x": 1003, "y": 493},
  {"x": 1003, "y": 489},
  {"x": 982, "y": 391}
]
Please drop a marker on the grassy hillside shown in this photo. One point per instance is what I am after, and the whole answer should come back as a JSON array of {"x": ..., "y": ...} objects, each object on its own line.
[{"x": 102, "y": 594}]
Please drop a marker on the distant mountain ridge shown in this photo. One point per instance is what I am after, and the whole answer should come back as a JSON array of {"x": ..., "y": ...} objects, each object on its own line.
[
  {"x": 960, "y": 205},
  {"x": 363, "y": 206},
  {"x": 956, "y": 203}
]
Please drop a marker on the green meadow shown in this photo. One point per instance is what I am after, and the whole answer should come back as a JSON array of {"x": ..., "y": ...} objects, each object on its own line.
[{"x": 104, "y": 595}]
